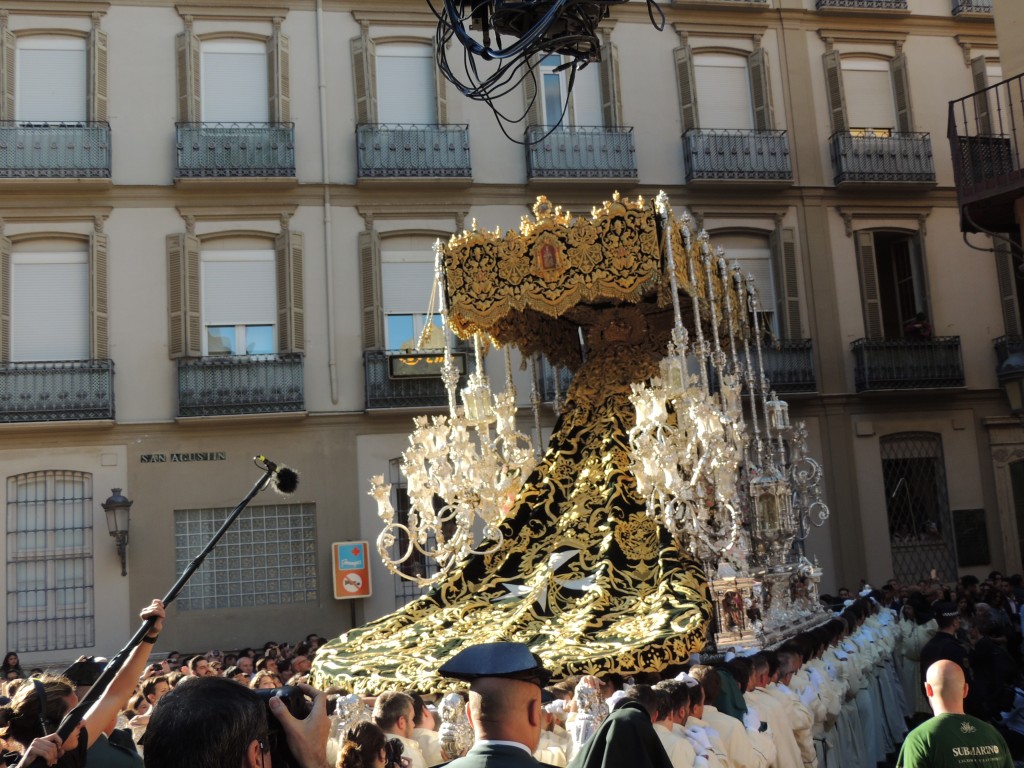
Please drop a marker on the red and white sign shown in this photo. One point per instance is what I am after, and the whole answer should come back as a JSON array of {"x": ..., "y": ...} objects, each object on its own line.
[{"x": 351, "y": 570}]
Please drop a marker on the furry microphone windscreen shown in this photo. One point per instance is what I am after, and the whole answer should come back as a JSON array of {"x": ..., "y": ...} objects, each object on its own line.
[{"x": 286, "y": 480}]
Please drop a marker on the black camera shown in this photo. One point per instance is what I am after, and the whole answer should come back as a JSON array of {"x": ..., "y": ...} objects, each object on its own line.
[
  {"x": 393, "y": 750},
  {"x": 296, "y": 703}
]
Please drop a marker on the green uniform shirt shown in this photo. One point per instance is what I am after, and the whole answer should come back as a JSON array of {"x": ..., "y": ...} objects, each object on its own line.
[{"x": 954, "y": 741}]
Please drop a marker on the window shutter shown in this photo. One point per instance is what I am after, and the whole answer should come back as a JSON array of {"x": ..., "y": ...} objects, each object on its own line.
[
  {"x": 1009, "y": 301},
  {"x": 364, "y": 70},
  {"x": 440, "y": 84},
  {"x": 8, "y": 55},
  {"x": 871, "y": 300},
  {"x": 834, "y": 85},
  {"x": 279, "y": 73},
  {"x": 98, "y": 90},
  {"x": 185, "y": 323},
  {"x": 5, "y": 298},
  {"x": 189, "y": 77},
  {"x": 760, "y": 90},
  {"x": 99, "y": 347},
  {"x": 533, "y": 98},
  {"x": 901, "y": 94},
  {"x": 983, "y": 115},
  {"x": 611, "y": 93},
  {"x": 687, "y": 87},
  {"x": 787, "y": 291},
  {"x": 370, "y": 290},
  {"x": 291, "y": 319}
]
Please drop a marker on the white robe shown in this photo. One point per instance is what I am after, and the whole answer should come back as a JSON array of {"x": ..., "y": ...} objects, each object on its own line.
[{"x": 680, "y": 753}]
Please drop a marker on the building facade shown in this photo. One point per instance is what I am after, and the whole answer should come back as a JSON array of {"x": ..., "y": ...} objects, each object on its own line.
[{"x": 217, "y": 221}]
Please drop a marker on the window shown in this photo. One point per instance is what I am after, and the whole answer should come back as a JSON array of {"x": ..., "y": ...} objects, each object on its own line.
[
  {"x": 868, "y": 96},
  {"x": 986, "y": 73},
  {"x": 53, "y": 299},
  {"x": 723, "y": 90},
  {"x": 416, "y": 564},
  {"x": 893, "y": 284},
  {"x": 1011, "y": 282},
  {"x": 235, "y": 295},
  {"x": 754, "y": 255},
  {"x": 397, "y": 82},
  {"x": 268, "y": 557},
  {"x": 49, "y": 561},
  {"x": 592, "y": 101}
]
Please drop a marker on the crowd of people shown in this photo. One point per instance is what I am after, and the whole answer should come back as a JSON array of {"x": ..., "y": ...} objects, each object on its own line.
[{"x": 844, "y": 694}]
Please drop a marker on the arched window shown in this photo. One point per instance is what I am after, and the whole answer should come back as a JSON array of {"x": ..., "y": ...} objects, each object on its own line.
[{"x": 52, "y": 79}]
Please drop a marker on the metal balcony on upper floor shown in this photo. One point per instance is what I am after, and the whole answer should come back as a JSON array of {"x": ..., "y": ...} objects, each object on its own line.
[
  {"x": 235, "y": 150},
  {"x": 864, "y": 5},
  {"x": 934, "y": 363},
  {"x": 240, "y": 384},
  {"x": 580, "y": 152},
  {"x": 971, "y": 6},
  {"x": 388, "y": 151},
  {"x": 882, "y": 156},
  {"x": 789, "y": 366},
  {"x": 398, "y": 379},
  {"x": 54, "y": 150},
  {"x": 736, "y": 155},
  {"x": 552, "y": 382},
  {"x": 63, "y": 390}
]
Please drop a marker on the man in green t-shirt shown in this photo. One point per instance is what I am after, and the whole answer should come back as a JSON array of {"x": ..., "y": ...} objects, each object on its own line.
[{"x": 952, "y": 739}]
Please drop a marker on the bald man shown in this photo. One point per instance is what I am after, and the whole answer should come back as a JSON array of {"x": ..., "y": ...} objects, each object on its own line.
[{"x": 952, "y": 739}]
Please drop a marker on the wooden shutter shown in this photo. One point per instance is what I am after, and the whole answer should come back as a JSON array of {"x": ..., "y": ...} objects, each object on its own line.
[
  {"x": 185, "y": 323},
  {"x": 279, "y": 73},
  {"x": 834, "y": 86},
  {"x": 364, "y": 71},
  {"x": 785, "y": 269},
  {"x": 901, "y": 94},
  {"x": 1006, "y": 273},
  {"x": 5, "y": 298},
  {"x": 687, "y": 88},
  {"x": 760, "y": 90},
  {"x": 370, "y": 290},
  {"x": 871, "y": 299},
  {"x": 291, "y": 316},
  {"x": 98, "y": 89},
  {"x": 611, "y": 93},
  {"x": 189, "y": 77},
  {"x": 982, "y": 111},
  {"x": 99, "y": 347},
  {"x": 532, "y": 96},
  {"x": 440, "y": 86},
  {"x": 8, "y": 55}
]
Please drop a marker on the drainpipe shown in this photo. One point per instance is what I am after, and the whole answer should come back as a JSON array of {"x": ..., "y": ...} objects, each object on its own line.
[{"x": 325, "y": 173}]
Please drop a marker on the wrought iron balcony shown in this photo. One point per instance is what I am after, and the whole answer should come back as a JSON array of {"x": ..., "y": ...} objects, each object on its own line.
[
  {"x": 413, "y": 151},
  {"x": 985, "y": 134},
  {"x": 971, "y": 6},
  {"x": 1006, "y": 346},
  {"x": 235, "y": 150},
  {"x": 64, "y": 390},
  {"x": 789, "y": 366},
  {"x": 54, "y": 150},
  {"x": 408, "y": 379},
  {"x": 864, "y": 5},
  {"x": 736, "y": 155},
  {"x": 552, "y": 382},
  {"x": 580, "y": 152},
  {"x": 870, "y": 156},
  {"x": 908, "y": 363},
  {"x": 242, "y": 384}
]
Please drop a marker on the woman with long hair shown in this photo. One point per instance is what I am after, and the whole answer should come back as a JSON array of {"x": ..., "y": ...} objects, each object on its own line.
[
  {"x": 365, "y": 747},
  {"x": 11, "y": 668}
]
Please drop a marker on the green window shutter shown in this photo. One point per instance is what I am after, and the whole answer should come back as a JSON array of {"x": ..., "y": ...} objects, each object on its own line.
[
  {"x": 760, "y": 90},
  {"x": 8, "y": 54},
  {"x": 185, "y": 323},
  {"x": 901, "y": 94},
  {"x": 279, "y": 72},
  {"x": 1006, "y": 274},
  {"x": 5, "y": 298},
  {"x": 364, "y": 71},
  {"x": 982, "y": 111},
  {"x": 99, "y": 346},
  {"x": 370, "y": 290},
  {"x": 189, "y": 77},
  {"x": 834, "y": 86},
  {"x": 532, "y": 97},
  {"x": 611, "y": 92},
  {"x": 98, "y": 77},
  {"x": 785, "y": 269},
  {"x": 871, "y": 300},
  {"x": 291, "y": 319},
  {"x": 687, "y": 84}
]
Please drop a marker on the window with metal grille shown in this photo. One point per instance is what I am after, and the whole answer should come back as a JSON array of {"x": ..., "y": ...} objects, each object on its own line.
[
  {"x": 416, "y": 564},
  {"x": 268, "y": 557},
  {"x": 50, "y": 600}
]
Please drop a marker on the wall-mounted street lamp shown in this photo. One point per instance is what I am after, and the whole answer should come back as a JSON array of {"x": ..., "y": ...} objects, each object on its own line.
[
  {"x": 118, "y": 510},
  {"x": 1011, "y": 379}
]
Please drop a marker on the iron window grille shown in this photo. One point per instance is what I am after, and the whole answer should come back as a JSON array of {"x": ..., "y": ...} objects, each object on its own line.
[
  {"x": 908, "y": 363},
  {"x": 882, "y": 156},
  {"x": 737, "y": 155}
]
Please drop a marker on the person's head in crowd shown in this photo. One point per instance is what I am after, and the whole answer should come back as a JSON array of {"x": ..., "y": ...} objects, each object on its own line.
[
  {"x": 24, "y": 717},
  {"x": 300, "y": 664},
  {"x": 245, "y": 664},
  {"x": 742, "y": 671},
  {"x": 393, "y": 712},
  {"x": 610, "y": 683},
  {"x": 137, "y": 705},
  {"x": 271, "y": 650},
  {"x": 761, "y": 674},
  {"x": 709, "y": 681},
  {"x": 12, "y": 664},
  {"x": 948, "y": 617},
  {"x": 364, "y": 747},
  {"x": 945, "y": 687},
  {"x": 653, "y": 701},
  {"x": 174, "y": 660},
  {"x": 236, "y": 674},
  {"x": 155, "y": 689},
  {"x": 197, "y": 666},
  {"x": 266, "y": 663},
  {"x": 265, "y": 680},
  {"x": 212, "y": 656},
  {"x": 843, "y": 593},
  {"x": 677, "y": 701},
  {"x": 173, "y": 678},
  {"x": 421, "y": 716}
]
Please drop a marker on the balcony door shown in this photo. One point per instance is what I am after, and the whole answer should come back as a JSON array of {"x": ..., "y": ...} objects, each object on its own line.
[
  {"x": 894, "y": 290},
  {"x": 723, "y": 91},
  {"x": 406, "y": 92},
  {"x": 235, "y": 88},
  {"x": 52, "y": 84}
]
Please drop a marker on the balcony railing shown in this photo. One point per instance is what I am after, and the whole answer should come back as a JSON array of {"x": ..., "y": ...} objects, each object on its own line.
[
  {"x": 393, "y": 381},
  {"x": 864, "y": 5},
  {"x": 242, "y": 384},
  {"x": 236, "y": 150},
  {"x": 1006, "y": 346},
  {"x": 65, "y": 390},
  {"x": 789, "y": 366},
  {"x": 971, "y": 6},
  {"x": 908, "y": 363},
  {"x": 552, "y": 382},
  {"x": 54, "y": 150},
  {"x": 736, "y": 155},
  {"x": 867, "y": 156},
  {"x": 985, "y": 133},
  {"x": 413, "y": 151},
  {"x": 580, "y": 152}
]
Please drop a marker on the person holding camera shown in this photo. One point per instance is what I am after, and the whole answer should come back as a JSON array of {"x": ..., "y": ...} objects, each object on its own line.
[{"x": 213, "y": 722}]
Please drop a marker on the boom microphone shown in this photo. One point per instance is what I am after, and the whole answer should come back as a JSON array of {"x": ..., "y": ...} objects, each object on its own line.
[{"x": 286, "y": 480}]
